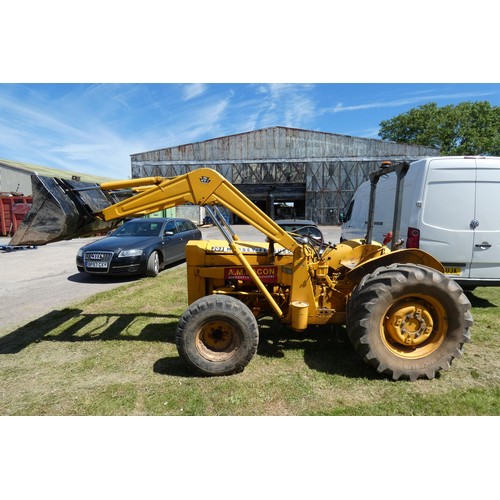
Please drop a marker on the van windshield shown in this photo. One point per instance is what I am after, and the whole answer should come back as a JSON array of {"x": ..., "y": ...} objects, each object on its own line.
[{"x": 348, "y": 214}]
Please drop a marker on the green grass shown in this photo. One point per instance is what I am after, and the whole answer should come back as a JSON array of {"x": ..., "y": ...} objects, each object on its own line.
[{"x": 115, "y": 354}]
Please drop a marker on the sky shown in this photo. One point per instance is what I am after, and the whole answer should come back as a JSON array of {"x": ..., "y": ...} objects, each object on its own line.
[
  {"x": 83, "y": 89},
  {"x": 94, "y": 128}
]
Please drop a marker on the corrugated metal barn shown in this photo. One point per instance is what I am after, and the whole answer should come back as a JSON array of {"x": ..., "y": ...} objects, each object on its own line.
[
  {"x": 16, "y": 176},
  {"x": 287, "y": 172}
]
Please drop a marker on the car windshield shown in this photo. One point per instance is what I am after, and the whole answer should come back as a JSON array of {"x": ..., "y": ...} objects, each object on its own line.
[{"x": 139, "y": 228}]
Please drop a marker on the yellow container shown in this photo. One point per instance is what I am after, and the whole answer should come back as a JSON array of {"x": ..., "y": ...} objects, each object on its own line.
[{"x": 300, "y": 311}]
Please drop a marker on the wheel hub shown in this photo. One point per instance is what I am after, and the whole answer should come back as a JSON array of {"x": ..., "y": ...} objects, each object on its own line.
[
  {"x": 216, "y": 336},
  {"x": 410, "y": 325},
  {"x": 217, "y": 340}
]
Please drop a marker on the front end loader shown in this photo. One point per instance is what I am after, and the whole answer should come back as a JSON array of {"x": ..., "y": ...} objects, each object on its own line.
[{"x": 403, "y": 316}]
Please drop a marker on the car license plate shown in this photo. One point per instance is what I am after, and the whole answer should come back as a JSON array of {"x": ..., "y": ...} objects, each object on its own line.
[
  {"x": 453, "y": 270},
  {"x": 100, "y": 265}
]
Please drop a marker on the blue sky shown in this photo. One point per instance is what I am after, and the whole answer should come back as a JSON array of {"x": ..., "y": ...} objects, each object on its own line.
[
  {"x": 94, "y": 128},
  {"x": 330, "y": 56}
]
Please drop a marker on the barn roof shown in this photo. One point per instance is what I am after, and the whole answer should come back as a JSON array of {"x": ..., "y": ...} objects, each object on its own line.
[
  {"x": 283, "y": 142},
  {"x": 52, "y": 172}
]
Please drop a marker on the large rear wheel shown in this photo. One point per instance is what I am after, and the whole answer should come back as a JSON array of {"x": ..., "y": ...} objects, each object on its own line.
[
  {"x": 217, "y": 335},
  {"x": 408, "y": 321}
]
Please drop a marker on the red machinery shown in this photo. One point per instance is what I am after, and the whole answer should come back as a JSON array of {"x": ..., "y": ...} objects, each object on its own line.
[{"x": 13, "y": 209}]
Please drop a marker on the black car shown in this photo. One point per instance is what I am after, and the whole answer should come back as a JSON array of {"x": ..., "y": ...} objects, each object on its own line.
[
  {"x": 303, "y": 227},
  {"x": 140, "y": 246}
]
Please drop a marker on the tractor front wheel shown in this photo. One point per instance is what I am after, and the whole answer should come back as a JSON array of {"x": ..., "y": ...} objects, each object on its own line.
[
  {"x": 217, "y": 335},
  {"x": 408, "y": 321}
]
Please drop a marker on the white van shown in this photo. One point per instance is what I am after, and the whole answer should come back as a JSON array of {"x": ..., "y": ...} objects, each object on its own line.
[{"x": 450, "y": 208}]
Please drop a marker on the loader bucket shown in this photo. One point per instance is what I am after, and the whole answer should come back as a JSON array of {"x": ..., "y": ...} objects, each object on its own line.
[{"x": 63, "y": 209}]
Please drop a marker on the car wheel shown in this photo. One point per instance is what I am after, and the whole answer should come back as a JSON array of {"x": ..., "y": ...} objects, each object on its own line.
[{"x": 153, "y": 266}]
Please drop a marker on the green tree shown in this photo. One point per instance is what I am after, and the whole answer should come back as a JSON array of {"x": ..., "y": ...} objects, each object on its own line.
[{"x": 469, "y": 128}]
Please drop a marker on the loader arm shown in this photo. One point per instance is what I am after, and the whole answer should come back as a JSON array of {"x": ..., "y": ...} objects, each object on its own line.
[
  {"x": 64, "y": 210},
  {"x": 203, "y": 186}
]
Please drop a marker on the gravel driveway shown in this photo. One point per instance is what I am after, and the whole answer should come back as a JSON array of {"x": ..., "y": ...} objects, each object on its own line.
[{"x": 36, "y": 281}]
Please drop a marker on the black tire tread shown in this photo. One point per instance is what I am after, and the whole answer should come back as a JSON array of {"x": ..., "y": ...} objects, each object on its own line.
[
  {"x": 215, "y": 306},
  {"x": 380, "y": 286}
]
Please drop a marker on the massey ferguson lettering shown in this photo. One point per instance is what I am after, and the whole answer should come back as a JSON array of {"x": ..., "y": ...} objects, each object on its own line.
[
  {"x": 245, "y": 250},
  {"x": 267, "y": 274}
]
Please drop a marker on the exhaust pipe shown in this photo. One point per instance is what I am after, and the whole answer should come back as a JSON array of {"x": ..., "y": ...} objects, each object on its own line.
[{"x": 63, "y": 209}]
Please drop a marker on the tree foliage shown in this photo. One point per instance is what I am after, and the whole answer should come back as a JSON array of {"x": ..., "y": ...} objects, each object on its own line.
[{"x": 468, "y": 128}]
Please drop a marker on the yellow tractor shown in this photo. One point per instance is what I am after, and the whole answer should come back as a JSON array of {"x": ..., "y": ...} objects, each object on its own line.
[{"x": 403, "y": 316}]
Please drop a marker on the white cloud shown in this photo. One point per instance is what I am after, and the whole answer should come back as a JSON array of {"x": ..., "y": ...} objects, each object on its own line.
[
  {"x": 193, "y": 90},
  {"x": 200, "y": 123},
  {"x": 286, "y": 104},
  {"x": 406, "y": 101}
]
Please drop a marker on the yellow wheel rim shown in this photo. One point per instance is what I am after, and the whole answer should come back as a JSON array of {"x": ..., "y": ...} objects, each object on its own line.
[
  {"x": 217, "y": 340},
  {"x": 414, "y": 326}
]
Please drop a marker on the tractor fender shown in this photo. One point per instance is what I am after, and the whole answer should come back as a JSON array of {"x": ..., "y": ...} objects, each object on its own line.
[{"x": 404, "y": 256}]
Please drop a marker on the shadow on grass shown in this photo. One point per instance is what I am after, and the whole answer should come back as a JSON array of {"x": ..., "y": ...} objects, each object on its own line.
[
  {"x": 479, "y": 302},
  {"x": 111, "y": 327},
  {"x": 326, "y": 349},
  {"x": 174, "y": 367}
]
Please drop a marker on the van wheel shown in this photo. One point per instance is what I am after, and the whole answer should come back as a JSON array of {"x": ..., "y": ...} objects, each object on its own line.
[
  {"x": 153, "y": 265},
  {"x": 408, "y": 321},
  {"x": 217, "y": 335}
]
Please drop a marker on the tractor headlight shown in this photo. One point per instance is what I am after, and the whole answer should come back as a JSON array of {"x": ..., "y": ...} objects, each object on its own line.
[{"x": 130, "y": 253}]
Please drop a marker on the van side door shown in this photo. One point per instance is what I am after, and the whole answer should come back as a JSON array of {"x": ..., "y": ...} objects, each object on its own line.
[
  {"x": 448, "y": 207},
  {"x": 486, "y": 246}
]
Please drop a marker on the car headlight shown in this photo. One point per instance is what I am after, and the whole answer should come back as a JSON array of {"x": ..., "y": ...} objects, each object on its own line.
[
  {"x": 79, "y": 253},
  {"x": 130, "y": 253}
]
